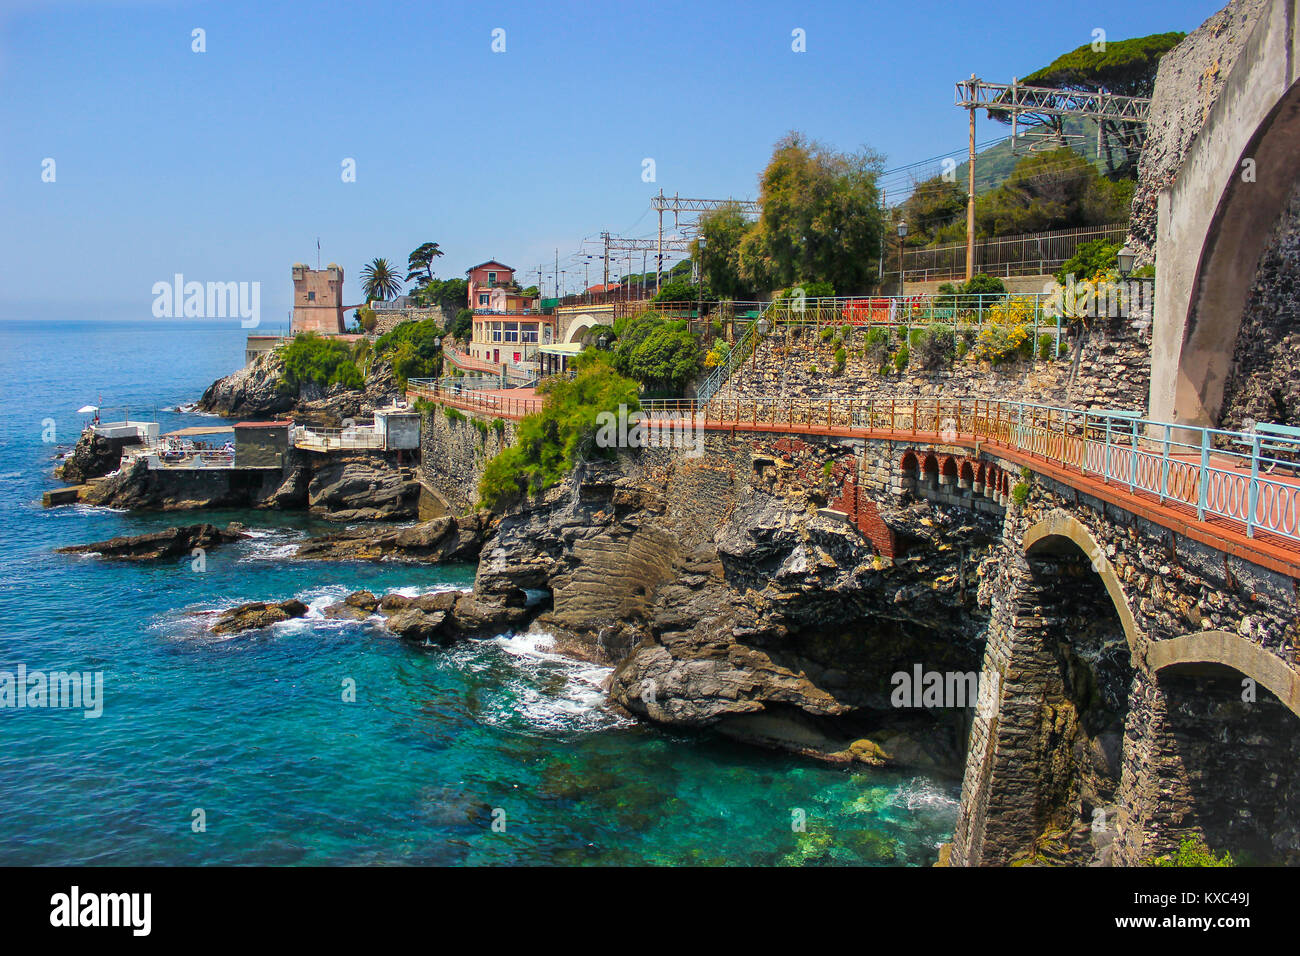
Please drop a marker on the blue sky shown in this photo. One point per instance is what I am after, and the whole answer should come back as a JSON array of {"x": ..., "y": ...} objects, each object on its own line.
[{"x": 225, "y": 165}]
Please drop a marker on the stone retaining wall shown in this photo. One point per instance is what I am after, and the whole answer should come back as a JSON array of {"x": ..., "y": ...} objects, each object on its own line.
[
  {"x": 1114, "y": 372},
  {"x": 453, "y": 453}
]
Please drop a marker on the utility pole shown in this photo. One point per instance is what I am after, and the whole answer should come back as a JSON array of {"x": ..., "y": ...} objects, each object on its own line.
[
  {"x": 970, "y": 193},
  {"x": 659, "y": 270},
  {"x": 557, "y": 273},
  {"x": 605, "y": 236}
]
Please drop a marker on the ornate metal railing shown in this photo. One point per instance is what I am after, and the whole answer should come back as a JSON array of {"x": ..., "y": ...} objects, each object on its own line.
[
  {"x": 474, "y": 400},
  {"x": 1250, "y": 480}
]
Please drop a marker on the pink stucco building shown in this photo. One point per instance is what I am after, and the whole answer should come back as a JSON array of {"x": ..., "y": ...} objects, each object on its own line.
[{"x": 507, "y": 326}]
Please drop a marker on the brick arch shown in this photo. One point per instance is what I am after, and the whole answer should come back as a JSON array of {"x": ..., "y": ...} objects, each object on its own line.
[
  {"x": 1230, "y": 650},
  {"x": 967, "y": 470},
  {"x": 1058, "y": 526},
  {"x": 910, "y": 465},
  {"x": 948, "y": 467},
  {"x": 930, "y": 464}
]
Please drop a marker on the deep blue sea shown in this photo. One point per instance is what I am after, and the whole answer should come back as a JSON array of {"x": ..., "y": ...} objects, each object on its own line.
[{"x": 254, "y": 730}]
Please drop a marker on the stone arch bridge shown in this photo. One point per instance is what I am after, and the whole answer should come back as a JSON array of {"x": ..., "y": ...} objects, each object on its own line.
[{"x": 1144, "y": 642}]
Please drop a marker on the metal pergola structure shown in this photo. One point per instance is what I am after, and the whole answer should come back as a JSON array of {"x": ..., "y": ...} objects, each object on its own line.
[
  {"x": 677, "y": 204},
  {"x": 1036, "y": 107}
]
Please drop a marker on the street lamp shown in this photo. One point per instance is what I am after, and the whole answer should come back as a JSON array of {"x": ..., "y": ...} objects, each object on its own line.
[
  {"x": 902, "y": 234},
  {"x": 601, "y": 342},
  {"x": 1126, "y": 257}
]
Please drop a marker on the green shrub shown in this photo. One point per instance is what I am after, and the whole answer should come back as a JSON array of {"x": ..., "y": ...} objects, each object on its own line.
[
  {"x": 660, "y": 354},
  {"x": 453, "y": 414},
  {"x": 1045, "y": 346},
  {"x": 879, "y": 347},
  {"x": 826, "y": 334},
  {"x": 548, "y": 443},
  {"x": 1192, "y": 851},
  {"x": 982, "y": 290},
  {"x": 1020, "y": 492},
  {"x": 1090, "y": 259},
  {"x": 322, "y": 360},
  {"x": 934, "y": 346},
  {"x": 841, "y": 359},
  {"x": 901, "y": 357},
  {"x": 499, "y": 426}
]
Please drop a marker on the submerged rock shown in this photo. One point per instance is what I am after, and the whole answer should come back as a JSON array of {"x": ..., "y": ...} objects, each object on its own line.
[
  {"x": 171, "y": 542},
  {"x": 257, "y": 614}
]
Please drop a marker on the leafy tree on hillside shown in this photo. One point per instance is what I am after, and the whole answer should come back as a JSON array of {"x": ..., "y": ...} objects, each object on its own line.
[
  {"x": 463, "y": 327},
  {"x": 448, "y": 293},
  {"x": 414, "y": 348},
  {"x": 722, "y": 229},
  {"x": 380, "y": 281},
  {"x": 420, "y": 263},
  {"x": 821, "y": 219},
  {"x": 1052, "y": 190},
  {"x": 549, "y": 443},
  {"x": 935, "y": 212},
  {"x": 683, "y": 290}
]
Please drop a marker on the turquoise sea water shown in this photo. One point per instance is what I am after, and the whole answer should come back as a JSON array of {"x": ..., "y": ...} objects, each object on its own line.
[{"x": 253, "y": 730}]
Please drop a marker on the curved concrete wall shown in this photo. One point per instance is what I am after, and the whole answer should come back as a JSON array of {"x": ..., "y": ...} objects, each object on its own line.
[{"x": 1216, "y": 219}]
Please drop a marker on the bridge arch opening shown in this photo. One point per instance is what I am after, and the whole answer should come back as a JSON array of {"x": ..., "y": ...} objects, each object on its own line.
[
  {"x": 1222, "y": 750},
  {"x": 1050, "y": 784},
  {"x": 930, "y": 469}
]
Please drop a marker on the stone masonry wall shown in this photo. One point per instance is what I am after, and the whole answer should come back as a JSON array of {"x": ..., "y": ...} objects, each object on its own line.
[
  {"x": 454, "y": 452},
  {"x": 1173, "y": 587},
  {"x": 1114, "y": 372},
  {"x": 1264, "y": 380}
]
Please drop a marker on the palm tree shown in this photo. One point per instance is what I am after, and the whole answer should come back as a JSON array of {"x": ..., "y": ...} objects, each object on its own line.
[
  {"x": 420, "y": 263},
  {"x": 380, "y": 281}
]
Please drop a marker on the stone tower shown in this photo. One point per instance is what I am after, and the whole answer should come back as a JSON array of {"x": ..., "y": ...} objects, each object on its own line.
[{"x": 318, "y": 299}]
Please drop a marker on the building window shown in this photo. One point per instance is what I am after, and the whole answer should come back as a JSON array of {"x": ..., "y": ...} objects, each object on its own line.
[
  {"x": 311, "y": 296},
  {"x": 492, "y": 278},
  {"x": 483, "y": 300},
  {"x": 529, "y": 330},
  {"x": 496, "y": 331},
  {"x": 512, "y": 331}
]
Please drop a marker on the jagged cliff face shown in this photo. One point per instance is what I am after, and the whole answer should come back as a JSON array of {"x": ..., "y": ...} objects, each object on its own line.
[
  {"x": 257, "y": 392},
  {"x": 727, "y": 599}
]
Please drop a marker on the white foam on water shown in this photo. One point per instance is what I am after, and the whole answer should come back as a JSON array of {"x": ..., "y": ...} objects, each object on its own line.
[
  {"x": 547, "y": 691},
  {"x": 923, "y": 794},
  {"x": 270, "y": 544}
]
